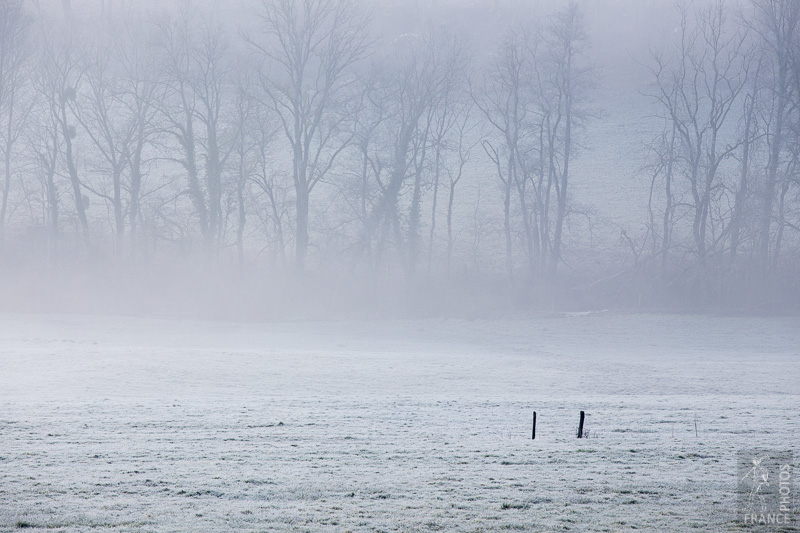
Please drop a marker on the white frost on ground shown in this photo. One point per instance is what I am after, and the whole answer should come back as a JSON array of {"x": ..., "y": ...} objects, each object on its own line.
[{"x": 128, "y": 424}]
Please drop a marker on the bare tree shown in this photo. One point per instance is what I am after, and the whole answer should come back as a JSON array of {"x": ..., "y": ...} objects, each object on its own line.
[
  {"x": 463, "y": 151},
  {"x": 251, "y": 158},
  {"x": 58, "y": 78},
  {"x": 312, "y": 46},
  {"x": 243, "y": 161},
  {"x": 370, "y": 114},
  {"x": 532, "y": 100},
  {"x": 567, "y": 40},
  {"x": 451, "y": 116},
  {"x": 44, "y": 144},
  {"x": 505, "y": 101},
  {"x": 409, "y": 95},
  {"x": 14, "y": 106},
  {"x": 750, "y": 136},
  {"x": 777, "y": 22},
  {"x": 142, "y": 90},
  {"x": 698, "y": 94},
  {"x": 102, "y": 111},
  {"x": 198, "y": 115},
  {"x": 273, "y": 206}
]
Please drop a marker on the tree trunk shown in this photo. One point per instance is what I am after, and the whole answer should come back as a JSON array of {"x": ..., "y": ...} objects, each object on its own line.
[
  {"x": 667, "y": 222},
  {"x": 507, "y": 230},
  {"x": 775, "y": 147},
  {"x": 561, "y": 208},
  {"x": 436, "y": 176},
  {"x": 741, "y": 193},
  {"x": 80, "y": 207},
  {"x": 450, "y": 199},
  {"x": 301, "y": 237}
]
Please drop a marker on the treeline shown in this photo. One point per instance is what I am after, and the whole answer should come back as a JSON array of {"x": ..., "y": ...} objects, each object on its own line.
[{"x": 300, "y": 148}]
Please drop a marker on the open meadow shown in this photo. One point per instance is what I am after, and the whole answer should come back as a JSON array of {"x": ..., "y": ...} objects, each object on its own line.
[{"x": 134, "y": 424}]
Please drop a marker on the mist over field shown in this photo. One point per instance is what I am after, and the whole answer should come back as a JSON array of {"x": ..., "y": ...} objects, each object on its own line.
[
  {"x": 322, "y": 158},
  {"x": 399, "y": 265}
]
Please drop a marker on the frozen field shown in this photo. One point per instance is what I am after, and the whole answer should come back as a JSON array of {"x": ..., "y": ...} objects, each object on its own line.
[{"x": 127, "y": 424}]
